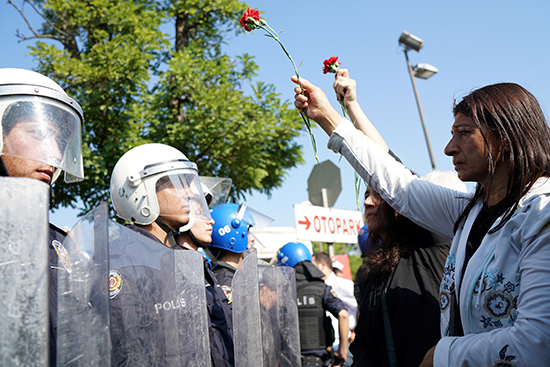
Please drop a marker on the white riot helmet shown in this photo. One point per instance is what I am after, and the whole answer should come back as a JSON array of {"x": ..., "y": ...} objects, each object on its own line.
[
  {"x": 156, "y": 181},
  {"x": 40, "y": 122}
]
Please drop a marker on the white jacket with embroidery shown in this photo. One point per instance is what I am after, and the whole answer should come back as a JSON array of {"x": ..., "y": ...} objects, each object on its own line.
[{"x": 504, "y": 296}]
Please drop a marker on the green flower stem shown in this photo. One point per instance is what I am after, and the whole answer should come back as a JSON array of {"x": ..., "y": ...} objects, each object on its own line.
[
  {"x": 303, "y": 113},
  {"x": 344, "y": 109}
]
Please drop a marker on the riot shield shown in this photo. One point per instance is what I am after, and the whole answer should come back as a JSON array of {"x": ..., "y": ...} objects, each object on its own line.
[
  {"x": 24, "y": 270},
  {"x": 247, "y": 337},
  {"x": 83, "y": 302},
  {"x": 157, "y": 303},
  {"x": 280, "y": 330}
]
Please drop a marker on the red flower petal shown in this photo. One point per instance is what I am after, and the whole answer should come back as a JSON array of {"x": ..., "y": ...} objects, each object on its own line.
[
  {"x": 331, "y": 64},
  {"x": 249, "y": 13}
]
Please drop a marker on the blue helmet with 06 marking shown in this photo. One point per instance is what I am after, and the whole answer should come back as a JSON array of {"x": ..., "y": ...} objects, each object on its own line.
[{"x": 230, "y": 230}]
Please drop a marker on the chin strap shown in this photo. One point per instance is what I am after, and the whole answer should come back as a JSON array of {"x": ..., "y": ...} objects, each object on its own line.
[
  {"x": 3, "y": 170},
  {"x": 194, "y": 239},
  {"x": 52, "y": 197},
  {"x": 207, "y": 251},
  {"x": 170, "y": 233},
  {"x": 187, "y": 227}
]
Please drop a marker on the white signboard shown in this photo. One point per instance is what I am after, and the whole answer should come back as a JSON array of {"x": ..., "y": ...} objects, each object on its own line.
[{"x": 316, "y": 223}]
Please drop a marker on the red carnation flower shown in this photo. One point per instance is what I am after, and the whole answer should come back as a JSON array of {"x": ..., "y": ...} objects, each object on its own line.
[
  {"x": 250, "y": 19},
  {"x": 331, "y": 65}
]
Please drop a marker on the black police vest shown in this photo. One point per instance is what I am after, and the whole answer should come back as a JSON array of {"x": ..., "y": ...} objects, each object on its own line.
[
  {"x": 314, "y": 324},
  {"x": 55, "y": 249}
]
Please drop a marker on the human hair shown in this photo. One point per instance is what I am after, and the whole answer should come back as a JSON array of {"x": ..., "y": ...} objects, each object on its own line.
[
  {"x": 401, "y": 233},
  {"x": 512, "y": 115},
  {"x": 323, "y": 257}
]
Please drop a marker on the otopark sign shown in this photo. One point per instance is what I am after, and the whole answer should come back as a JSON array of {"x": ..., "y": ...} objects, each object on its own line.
[{"x": 317, "y": 223}]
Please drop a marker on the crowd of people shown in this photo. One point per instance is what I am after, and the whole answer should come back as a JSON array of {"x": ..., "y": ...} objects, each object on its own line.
[{"x": 449, "y": 278}]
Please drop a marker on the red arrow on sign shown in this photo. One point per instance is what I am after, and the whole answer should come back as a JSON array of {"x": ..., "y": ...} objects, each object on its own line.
[{"x": 306, "y": 222}]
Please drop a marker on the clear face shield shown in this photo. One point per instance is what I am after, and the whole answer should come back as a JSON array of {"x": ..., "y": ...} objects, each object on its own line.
[
  {"x": 42, "y": 130},
  {"x": 257, "y": 220},
  {"x": 218, "y": 188},
  {"x": 181, "y": 200}
]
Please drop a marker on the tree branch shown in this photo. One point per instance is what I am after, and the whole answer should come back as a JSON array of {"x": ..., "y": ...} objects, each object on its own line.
[{"x": 36, "y": 34}]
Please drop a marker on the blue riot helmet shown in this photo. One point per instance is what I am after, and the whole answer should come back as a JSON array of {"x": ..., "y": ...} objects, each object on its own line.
[
  {"x": 230, "y": 230},
  {"x": 362, "y": 240},
  {"x": 292, "y": 254}
]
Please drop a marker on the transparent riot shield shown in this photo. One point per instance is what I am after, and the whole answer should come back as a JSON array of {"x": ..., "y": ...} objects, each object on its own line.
[
  {"x": 24, "y": 325},
  {"x": 157, "y": 302},
  {"x": 247, "y": 336},
  {"x": 82, "y": 296},
  {"x": 279, "y": 316}
]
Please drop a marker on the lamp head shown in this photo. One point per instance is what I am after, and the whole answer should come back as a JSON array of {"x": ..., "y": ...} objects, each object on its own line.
[
  {"x": 424, "y": 71},
  {"x": 410, "y": 41}
]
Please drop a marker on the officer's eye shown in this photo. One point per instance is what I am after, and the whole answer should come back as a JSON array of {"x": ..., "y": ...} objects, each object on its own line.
[{"x": 42, "y": 134}]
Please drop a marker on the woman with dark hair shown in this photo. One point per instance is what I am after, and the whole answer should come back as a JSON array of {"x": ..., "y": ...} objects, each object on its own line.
[
  {"x": 404, "y": 276},
  {"x": 495, "y": 290}
]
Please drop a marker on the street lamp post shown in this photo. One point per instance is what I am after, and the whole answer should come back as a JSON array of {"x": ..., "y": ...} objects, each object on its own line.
[{"x": 423, "y": 71}]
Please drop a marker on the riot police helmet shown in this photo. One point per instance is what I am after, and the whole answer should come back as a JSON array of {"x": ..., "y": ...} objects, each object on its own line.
[
  {"x": 231, "y": 226},
  {"x": 40, "y": 122},
  {"x": 292, "y": 254},
  {"x": 156, "y": 181}
]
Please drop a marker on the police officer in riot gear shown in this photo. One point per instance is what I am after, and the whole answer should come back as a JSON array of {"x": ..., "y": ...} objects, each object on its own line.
[
  {"x": 41, "y": 136},
  {"x": 230, "y": 238},
  {"x": 314, "y": 298},
  {"x": 158, "y": 189}
]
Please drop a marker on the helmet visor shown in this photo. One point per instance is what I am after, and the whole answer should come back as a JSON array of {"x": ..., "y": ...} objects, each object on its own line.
[
  {"x": 180, "y": 197},
  {"x": 256, "y": 219},
  {"x": 43, "y": 130},
  {"x": 218, "y": 189}
]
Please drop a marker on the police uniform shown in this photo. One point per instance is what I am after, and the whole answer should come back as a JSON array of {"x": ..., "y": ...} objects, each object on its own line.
[
  {"x": 314, "y": 298},
  {"x": 57, "y": 256},
  {"x": 224, "y": 274},
  {"x": 219, "y": 314}
]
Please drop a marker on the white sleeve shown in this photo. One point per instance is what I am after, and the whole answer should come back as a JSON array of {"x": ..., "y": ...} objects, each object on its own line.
[{"x": 433, "y": 207}]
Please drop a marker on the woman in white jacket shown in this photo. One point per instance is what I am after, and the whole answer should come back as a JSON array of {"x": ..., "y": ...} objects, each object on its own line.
[{"x": 495, "y": 291}]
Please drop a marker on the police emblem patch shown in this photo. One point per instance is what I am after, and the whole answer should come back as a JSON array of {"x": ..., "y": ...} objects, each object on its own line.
[
  {"x": 334, "y": 293},
  {"x": 228, "y": 292},
  {"x": 115, "y": 283},
  {"x": 62, "y": 254}
]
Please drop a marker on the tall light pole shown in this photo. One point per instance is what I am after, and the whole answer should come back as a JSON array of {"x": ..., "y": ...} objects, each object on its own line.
[{"x": 423, "y": 71}]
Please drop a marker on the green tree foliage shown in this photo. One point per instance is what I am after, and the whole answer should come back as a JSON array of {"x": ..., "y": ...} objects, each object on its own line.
[{"x": 138, "y": 85}]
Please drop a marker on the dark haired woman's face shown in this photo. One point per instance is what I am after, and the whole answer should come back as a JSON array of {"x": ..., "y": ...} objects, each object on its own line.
[
  {"x": 377, "y": 213},
  {"x": 469, "y": 151}
]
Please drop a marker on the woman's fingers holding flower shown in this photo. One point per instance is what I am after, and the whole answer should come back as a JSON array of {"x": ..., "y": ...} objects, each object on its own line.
[
  {"x": 342, "y": 72},
  {"x": 314, "y": 99},
  {"x": 345, "y": 88}
]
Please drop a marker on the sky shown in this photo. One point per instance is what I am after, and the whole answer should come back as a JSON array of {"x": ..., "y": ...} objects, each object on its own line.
[{"x": 472, "y": 43}]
